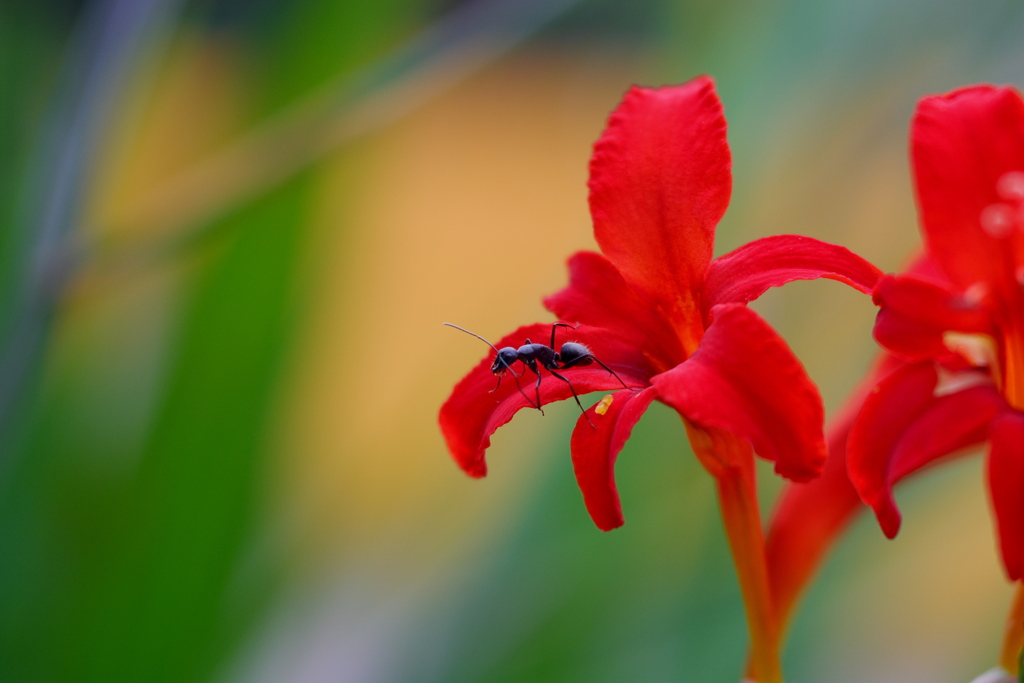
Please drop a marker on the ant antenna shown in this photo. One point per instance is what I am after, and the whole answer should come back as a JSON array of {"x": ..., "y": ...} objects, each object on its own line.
[
  {"x": 474, "y": 334},
  {"x": 507, "y": 366},
  {"x": 515, "y": 377}
]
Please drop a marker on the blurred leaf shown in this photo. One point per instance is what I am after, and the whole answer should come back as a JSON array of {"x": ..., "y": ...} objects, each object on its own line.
[
  {"x": 155, "y": 574},
  {"x": 199, "y": 485},
  {"x": 316, "y": 37},
  {"x": 31, "y": 38}
]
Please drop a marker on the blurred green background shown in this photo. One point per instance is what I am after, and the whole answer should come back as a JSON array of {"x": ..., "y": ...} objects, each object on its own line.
[{"x": 229, "y": 234}]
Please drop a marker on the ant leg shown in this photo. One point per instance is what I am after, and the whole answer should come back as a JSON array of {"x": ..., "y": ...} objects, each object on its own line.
[
  {"x": 537, "y": 405},
  {"x": 512, "y": 370},
  {"x": 554, "y": 326},
  {"x": 614, "y": 375},
  {"x": 519, "y": 386},
  {"x": 515, "y": 378},
  {"x": 574, "y": 395},
  {"x": 537, "y": 389}
]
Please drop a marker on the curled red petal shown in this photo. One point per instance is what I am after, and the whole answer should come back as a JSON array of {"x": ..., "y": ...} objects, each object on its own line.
[
  {"x": 746, "y": 273},
  {"x": 473, "y": 411},
  {"x": 915, "y": 313},
  {"x": 904, "y": 427},
  {"x": 745, "y": 380},
  {"x": 595, "y": 446},
  {"x": 893, "y": 405},
  {"x": 1005, "y": 482},
  {"x": 660, "y": 180},
  {"x": 598, "y": 295},
  {"x": 963, "y": 146},
  {"x": 809, "y": 516}
]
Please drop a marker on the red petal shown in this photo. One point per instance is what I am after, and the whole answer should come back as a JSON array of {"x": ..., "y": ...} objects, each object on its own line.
[
  {"x": 660, "y": 180},
  {"x": 1005, "y": 483},
  {"x": 904, "y": 427},
  {"x": 744, "y": 379},
  {"x": 915, "y": 313},
  {"x": 953, "y": 423},
  {"x": 746, "y": 273},
  {"x": 596, "y": 445},
  {"x": 923, "y": 266},
  {"x": 472, "y": 413},
  {"x": 963, "y": 144},
  {"x": 808, "y": 517},
  {"x": 598, "y": 295}
]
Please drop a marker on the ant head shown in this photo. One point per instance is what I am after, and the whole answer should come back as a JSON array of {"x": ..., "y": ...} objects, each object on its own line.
[
  {"x": 504, "y": 360},
  {"x": 575, "y": 354}
]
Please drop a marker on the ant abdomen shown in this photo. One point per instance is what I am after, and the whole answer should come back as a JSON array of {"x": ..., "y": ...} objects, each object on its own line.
[{"x": 574, "y": 354}]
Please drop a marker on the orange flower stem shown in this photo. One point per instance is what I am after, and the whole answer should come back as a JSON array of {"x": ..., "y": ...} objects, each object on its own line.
[
  {"x": 737, "y": 495},
  {"x": 1013, "y": 636},
  {"x": 1013, "y": 390}
]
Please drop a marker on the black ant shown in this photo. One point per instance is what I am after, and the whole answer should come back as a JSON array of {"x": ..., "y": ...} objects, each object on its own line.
[{"x": 571, "y": 355}]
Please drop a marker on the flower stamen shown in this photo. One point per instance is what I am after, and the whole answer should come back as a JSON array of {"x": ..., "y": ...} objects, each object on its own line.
[{"x": 977, "y": 349}]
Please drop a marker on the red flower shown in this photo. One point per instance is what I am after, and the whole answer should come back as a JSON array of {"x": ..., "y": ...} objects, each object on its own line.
[
  {"x": 958, "y": 320},
  {"x": 674, "y": 326},
  {"x": 669, "y": 320}
]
